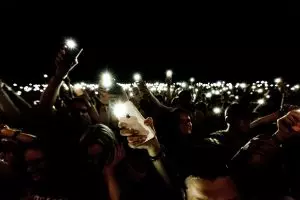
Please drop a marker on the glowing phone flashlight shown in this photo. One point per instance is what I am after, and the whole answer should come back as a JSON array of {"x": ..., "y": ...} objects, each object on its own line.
[{"x": 127, "y": 113}]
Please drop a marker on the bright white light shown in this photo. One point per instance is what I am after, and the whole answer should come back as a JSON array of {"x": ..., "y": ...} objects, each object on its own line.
[
  {"x": 192, "y": 79},
  {"x": 228, "y": 92},
  {"x": 15, "y": 85},
  {"x": 106, "y": 80},
  {"x": 236, "y": 97},
  {"x": 261, "y": 101},
  {"x": 131, "y": 94},
  {"x": 169, "y": 73},
  {"x": 19, "y": 93},
  {"x": 208, "y": 95},
  {"x": 217, "y": 110},
  {"x": 219, "y": 83},
  {"x": 45, "y": 76},
  {"x": 137, "y": 77},
  {"x": 71, "y": 44},
  {"x": 277, "y": 80},
  {"x": 296, "y": 86},
  {"x": 217, "y": 92},
  {"x": 183, "y": 84},
  {"x": 243, "y": 85},
  {"x": 119, "y": 110},
  {"x": 268, "y": 96},
  {"x": 260, "y": 90}
]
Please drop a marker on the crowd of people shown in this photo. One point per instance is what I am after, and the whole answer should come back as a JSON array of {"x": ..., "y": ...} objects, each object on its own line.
[{"x": 215, "y": 141}]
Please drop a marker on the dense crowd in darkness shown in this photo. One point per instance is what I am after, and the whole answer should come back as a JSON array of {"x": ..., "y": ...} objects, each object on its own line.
[{"x": 187, "y": 140}]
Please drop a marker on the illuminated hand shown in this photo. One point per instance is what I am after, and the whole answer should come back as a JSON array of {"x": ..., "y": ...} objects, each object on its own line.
[
  {"x": 64, "y": 66},
  {"x": 138, "y": 141},
  {"x": 288, "y": 125}
]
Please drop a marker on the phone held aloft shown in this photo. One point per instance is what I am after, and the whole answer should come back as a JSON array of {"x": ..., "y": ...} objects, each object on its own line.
[{"x": 130, "y": 115}]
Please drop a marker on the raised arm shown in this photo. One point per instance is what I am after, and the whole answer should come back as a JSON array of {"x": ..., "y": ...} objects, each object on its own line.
[
  {"x": 148, "y": 94},
  {"x": 51, "y": 93}
]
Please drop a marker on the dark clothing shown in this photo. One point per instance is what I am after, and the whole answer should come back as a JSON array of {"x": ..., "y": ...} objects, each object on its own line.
[
  {"x": 258, "y": 170},
  {"x": 229, "y": 143}
]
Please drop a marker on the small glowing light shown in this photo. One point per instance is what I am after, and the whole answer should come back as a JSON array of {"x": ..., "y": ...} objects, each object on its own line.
[
  {"x": 208, "y": 95},
  {"x": 45, "y": 76},
  {"x": 192, "y": 79},
  {"x": 243, "y": 85},
  {"x": 15, "y": 85},
  {"x": 268, "y": 96},
  {"x": 219, "y": 83},
  {"x": 184, "y": 84},
  {"x": 288, "y": 85},
  {"x": 228, "y": 92},
  {"x": 19, "y": 93},
  {"x": 260, "y": 90},
  {"x": 137, "y": 77},
  {"x": 169, "y": 73},
  {"x": 217, "y": 92},
  {"x": 96, "y": 92},
  {"x": 296, "y": 86},
  {"x": 217, "y": 110},
  {"x": 70, "y": 43},
  {"x": 277, "y": 80},
  {"x": 36, "y": 102},
  {"x": 131, "y": 94},
  {"x": 261, "y": 101},
  {"x": 236, "y": 97},
  {"x": 106, "y": 80},
  {"x": 119, "y": 110}
]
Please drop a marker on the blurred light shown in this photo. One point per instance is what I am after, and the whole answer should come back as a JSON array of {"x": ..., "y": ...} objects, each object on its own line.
[
  {"x": 268, "y": 96},
  {"x": 119, "y": 110},
  {"x": 260, "y": 90},
  {"x": 169, "y": 73},
  {"x": 228, "y": 92},
  {"x": 217, "y": 92},
  {"x": 236, "y": 97},
  {"x": 277, "y": 80},
  {"x": 70, "y": 43},
  {"x": 184, "y": 84},
  {"x": 45, "y": 76},
  {"x": 260, "y": 101},
  {"x": 106, "y": 80},
  {"x": 15, "y": 85},
  {"x": 297, "y": 87},
  {"x": 19, "y": 93},
  {"x": 131, "y": 94},
  {"x": 137, "y": 77},
  {"x": 219, "y": 83},
  {"x": 288, "y": 85},
  {"x": 217, "y": 110},
  {"x": 192, "y": 79},
  {"x": 208, "y": 95},
  {"x": 243, "y": 85}
]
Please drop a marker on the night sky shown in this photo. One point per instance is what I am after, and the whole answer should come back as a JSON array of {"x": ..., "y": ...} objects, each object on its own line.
[{"x": 31, "y": 45}]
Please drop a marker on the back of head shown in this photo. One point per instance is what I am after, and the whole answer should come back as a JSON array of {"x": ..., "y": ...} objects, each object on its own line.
[
  {"x": 237, "y": 111},
  {"x": 102, "y": 135}
]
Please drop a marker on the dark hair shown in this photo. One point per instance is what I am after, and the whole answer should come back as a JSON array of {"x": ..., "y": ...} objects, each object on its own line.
[{"x": 103, "y": 135}]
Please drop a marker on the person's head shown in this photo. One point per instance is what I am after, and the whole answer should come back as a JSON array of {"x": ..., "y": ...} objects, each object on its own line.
[
  {"x": 98, "y": 145},
  {"x": 207, "y": 176},
  {"x": 79, "y": 110},
  {"x": 35, "y": 162},
  {"x": 238, "y": 117},
  {"x": 183, "y": 119},
  {"x": 185, "y": 98}
]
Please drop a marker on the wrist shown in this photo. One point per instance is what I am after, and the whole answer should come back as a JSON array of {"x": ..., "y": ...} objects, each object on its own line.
[{"x": 154, "y": 150}]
